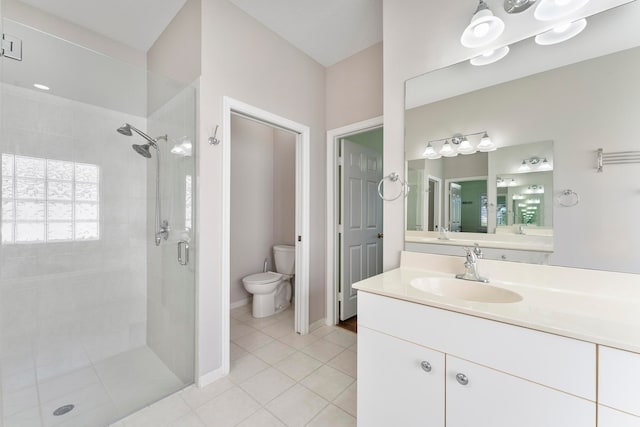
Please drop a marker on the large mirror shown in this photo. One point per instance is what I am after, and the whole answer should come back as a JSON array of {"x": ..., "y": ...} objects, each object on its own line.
[{"x": 546, "y": 111}]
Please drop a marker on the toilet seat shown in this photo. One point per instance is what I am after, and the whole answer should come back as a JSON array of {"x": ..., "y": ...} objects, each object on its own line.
[{"x": 262, "y": 278}]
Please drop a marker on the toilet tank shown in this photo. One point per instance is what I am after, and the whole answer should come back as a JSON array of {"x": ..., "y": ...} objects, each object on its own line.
[{"x": 285, "y": 257}]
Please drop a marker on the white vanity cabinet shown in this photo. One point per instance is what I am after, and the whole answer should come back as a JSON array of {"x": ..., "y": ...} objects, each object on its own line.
[
  {"x": 618, "y": 388},
  {"x": 479, "y": 396},
  {"x": 399, "y": 383},
  {"x": 495, "y": 374}
]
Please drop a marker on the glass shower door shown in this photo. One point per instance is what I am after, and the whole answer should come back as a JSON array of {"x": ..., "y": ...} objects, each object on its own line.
[{"x": 96, "y": 321}]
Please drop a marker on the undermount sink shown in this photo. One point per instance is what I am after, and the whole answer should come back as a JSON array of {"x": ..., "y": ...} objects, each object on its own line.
[{"x": 464, "y": 290}]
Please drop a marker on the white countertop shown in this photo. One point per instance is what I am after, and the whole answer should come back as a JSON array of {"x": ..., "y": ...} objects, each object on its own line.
[{"x": 594, "y": 306}]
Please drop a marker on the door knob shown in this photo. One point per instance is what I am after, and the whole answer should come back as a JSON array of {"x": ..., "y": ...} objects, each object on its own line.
[{"x": 380, "y": 235}]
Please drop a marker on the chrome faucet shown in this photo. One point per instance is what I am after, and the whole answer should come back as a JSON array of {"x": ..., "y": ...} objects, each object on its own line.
[
  {"x": 471, "y": 266},
  {"x": 444, "y": 234}
]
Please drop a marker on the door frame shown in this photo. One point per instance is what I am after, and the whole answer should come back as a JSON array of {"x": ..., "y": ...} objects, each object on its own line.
[
  {"x": 332, "y": 316},
  {"x": 231, "y": 107},
  {"x": 437, "y": 201}
]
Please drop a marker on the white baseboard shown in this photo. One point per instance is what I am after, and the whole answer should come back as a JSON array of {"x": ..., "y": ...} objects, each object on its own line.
[
  {"x": 317, "y": 324},
  {"x": 240, "y": 303},
  {"x": 210, "y": 377}
]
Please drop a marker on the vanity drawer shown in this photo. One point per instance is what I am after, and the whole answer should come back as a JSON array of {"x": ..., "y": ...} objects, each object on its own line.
[
  {"x": 562, "y": 363},
  {"x": 618, "y": 379}
]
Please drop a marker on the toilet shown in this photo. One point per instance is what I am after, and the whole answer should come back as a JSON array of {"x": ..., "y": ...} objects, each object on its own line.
[{"x": 272, "y": 290}]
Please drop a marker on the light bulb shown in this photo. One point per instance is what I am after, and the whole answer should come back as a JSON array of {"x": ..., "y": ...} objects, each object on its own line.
[
  {"x": 465, "y": 147},
  {"x": 482, "y": 29}
]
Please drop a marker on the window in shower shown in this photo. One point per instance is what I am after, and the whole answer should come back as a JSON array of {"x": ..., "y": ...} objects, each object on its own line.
[{"x": 46, "y": 200}]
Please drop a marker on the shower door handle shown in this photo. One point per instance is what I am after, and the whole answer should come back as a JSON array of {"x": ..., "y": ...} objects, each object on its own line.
[{"x": 183, "y": 247}]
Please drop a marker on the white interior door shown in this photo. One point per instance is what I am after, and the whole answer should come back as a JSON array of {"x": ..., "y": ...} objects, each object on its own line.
[
  {"x": 455, "y": 207},
  {"x": 361, "y": 220}
]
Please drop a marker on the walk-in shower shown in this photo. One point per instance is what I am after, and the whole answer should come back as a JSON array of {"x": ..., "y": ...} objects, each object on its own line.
[
  {"x": 96, "y": 321},
  {"x": 162, "y": 225}
]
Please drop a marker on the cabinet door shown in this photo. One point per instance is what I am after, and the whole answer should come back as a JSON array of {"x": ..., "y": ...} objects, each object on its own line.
[
  {"x": 394, "y": 389},
  {"x": 608, "y": 417},
  {"x": 485, "y": 397}
]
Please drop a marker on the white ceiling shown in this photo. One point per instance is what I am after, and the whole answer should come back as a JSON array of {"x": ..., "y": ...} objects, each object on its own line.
[
  {"x": 136, "y": 23},
  {"x": 326, "y": 30}
]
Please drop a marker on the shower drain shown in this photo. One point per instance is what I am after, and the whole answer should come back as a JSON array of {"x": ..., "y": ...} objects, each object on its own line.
[{"x": 63, "y": 410}]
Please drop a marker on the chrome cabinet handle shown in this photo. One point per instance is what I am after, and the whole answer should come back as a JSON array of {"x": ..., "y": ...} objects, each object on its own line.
[
  {"x": 462, "y": 379},
  {"x": 426, "y": 366},
  {"x": 183, "y": 244}
]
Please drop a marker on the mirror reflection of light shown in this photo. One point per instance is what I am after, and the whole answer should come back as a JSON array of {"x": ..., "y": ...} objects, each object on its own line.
[
  {"x": 561, "y": 33},
  {"x": 490, "y": 56}
]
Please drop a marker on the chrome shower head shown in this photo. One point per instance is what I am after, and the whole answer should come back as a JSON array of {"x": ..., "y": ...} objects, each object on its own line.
[
  {"x": 125, "y": 129},
  {"x": 143, "y": 150}
]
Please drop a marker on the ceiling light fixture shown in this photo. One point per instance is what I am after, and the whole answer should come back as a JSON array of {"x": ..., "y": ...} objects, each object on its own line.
[
  {"x": 484, "y": 28},
  {"x": 490, "y": 56},
  {"x": 561, "y": 32},
  {"x": 549, "y": 10},
  {"x": 41, "y": 86},
  {"x": 464, "y": 146}
]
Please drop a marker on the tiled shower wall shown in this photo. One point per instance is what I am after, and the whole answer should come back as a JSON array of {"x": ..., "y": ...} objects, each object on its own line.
[
  {"x": 66, "y": 304},
  {"x": 171, "y": 286}
]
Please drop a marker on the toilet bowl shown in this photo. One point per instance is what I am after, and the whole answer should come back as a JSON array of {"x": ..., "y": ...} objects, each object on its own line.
[{"x": 272, "y": 290}]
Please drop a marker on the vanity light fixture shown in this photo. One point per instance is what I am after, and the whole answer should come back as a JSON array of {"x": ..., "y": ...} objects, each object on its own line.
[
  {"x": 447, "y": 150},
  {"x": 490, "y": 56},
  {"x": 549, "y": 10},
  {"x": 517, "y": 6},
  {"x": 561, "y": 32},
  {"x": 451, "y": 147},
  {"x": 484, "y": 28},
  {"x": 486, "y": 144},
  {"x": 430, "y": 152},
  {"x": 464, "y": 146},
  {"x": 545, "y": 165},
  {"x": 536, "y": 163}
]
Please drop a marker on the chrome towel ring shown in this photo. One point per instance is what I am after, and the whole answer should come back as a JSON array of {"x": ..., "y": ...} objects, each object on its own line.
[{"x": 394, "y": 177}]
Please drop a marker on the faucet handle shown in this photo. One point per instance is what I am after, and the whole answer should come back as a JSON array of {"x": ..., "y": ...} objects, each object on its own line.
[
  {"x": 477, "y": 250},
  {"x": 471, "y": 255}
]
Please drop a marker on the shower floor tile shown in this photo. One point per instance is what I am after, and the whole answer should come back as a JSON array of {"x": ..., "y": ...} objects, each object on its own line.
[{"x": 103, "y": 392}]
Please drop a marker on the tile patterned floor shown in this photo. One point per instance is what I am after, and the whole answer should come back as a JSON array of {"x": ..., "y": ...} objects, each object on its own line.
[
  {"x": 102, "y": 391},
  {"x": 277, "y": 378}
]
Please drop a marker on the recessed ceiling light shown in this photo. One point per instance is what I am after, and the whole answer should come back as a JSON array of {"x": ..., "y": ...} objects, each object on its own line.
[{"x": 41, "y": 87}]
